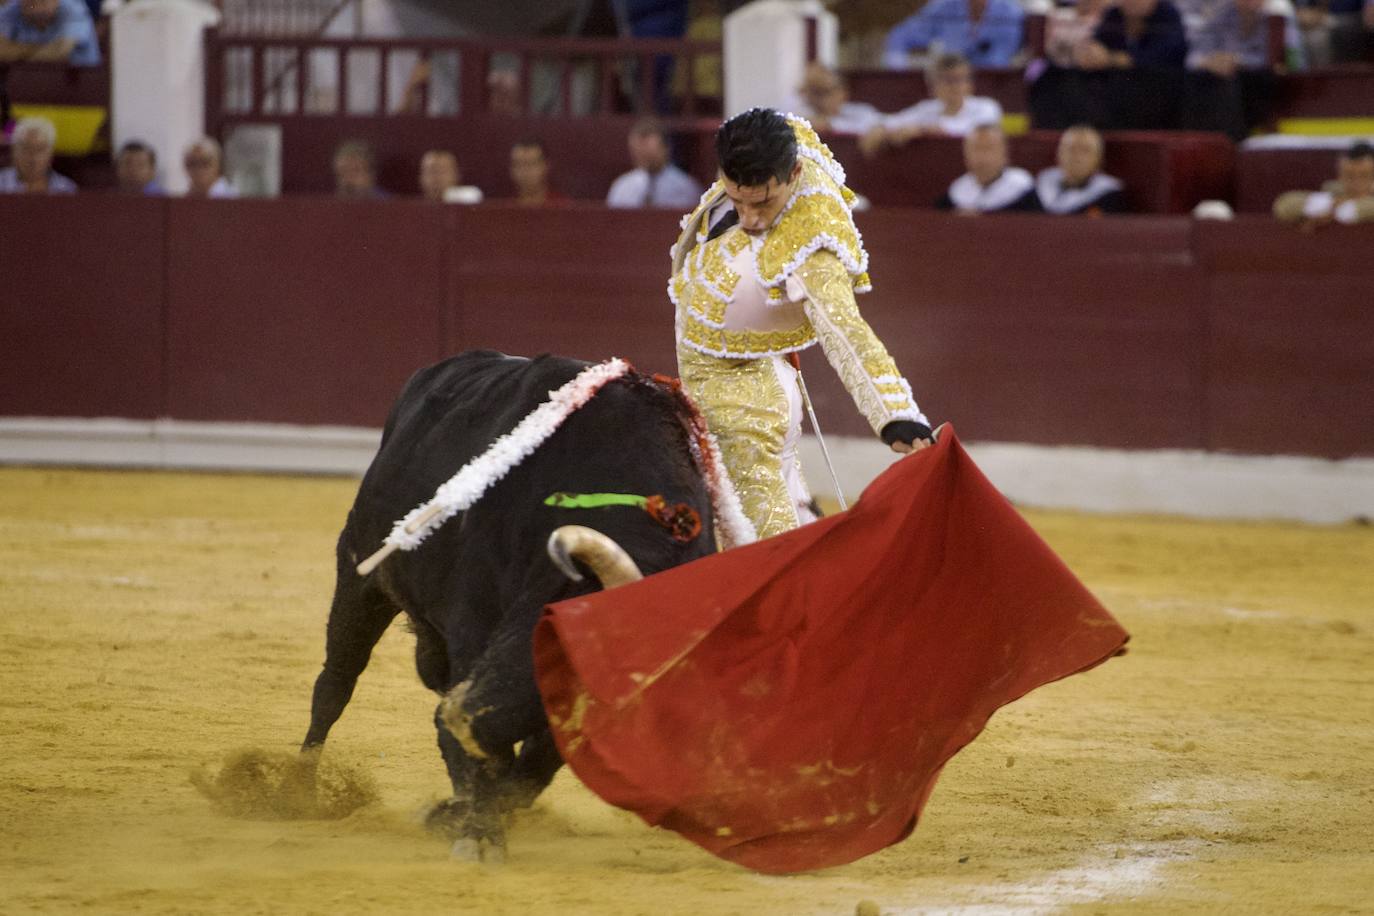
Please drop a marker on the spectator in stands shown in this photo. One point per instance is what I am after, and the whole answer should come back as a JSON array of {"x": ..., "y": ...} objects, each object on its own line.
[
  {"x": 987, "y": 32},
  {"x": 1233, "y": 79},
  {"x": 355, "y": 171},
  {"x": 1197, "y": 13},
  {"x": 438, "y": 173},
  {"x": 1077, "y": 185},
  {"x": 48, "y": 30},
  {"x": 654, "y": 181},
  {"x": 136, "y": 169},
  {"x": 32, "y": 145},
  {"x": 1058, "y": 94},
  {"x": 953, "y": 112},
  {"x": 1141, "y": 47},
  {"x": 503, "y": 92},
  {"x": 991, "y": 184},
  {"x": 529, "y": 172},
  {"x": 1335, "y": 31},
  {"x": 656, "y": 19},
  {"x": 824, "y": 101},
  {"x": 1069, "y": 28},
  {"x": 1348, "y": 199},
  {"x": 1145, "y": 34},
  {"x": 441, "y": 180},
  {"x": 204, "y": 165}
]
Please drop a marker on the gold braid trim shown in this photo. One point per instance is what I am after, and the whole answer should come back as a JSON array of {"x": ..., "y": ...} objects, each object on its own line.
[
  {"x": 815, "y": 219},
  {"x": 859, "y": 357},
  {"x": 744, "y": 344},
  {"x": 746, "y": 408},
  {"x": 694, "y": 227}
]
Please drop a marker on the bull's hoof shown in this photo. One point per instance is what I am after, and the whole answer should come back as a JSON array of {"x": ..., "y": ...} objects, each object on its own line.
[
  {"x": 452, "y": 817},
  {"x": 458, "y": 721},
  {"x": 477, "y": 836},
  {"x": 467, "y": 849}
]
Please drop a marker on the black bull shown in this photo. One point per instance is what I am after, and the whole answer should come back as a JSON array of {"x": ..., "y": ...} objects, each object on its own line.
[{"x": 475, "y": 588}]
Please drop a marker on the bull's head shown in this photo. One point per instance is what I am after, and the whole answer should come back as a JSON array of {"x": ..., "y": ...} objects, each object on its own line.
[{"x": 607, "y": 560}]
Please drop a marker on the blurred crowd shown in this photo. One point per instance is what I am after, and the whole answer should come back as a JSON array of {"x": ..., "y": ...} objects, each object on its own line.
[
  {"x": 1099, "y": 65},
  {"x": 1144, "y": 64},
  {"x": 1075, "y": 186}
]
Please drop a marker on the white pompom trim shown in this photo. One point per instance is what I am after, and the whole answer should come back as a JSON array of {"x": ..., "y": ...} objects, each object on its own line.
[
  {"x": 477, "y": 476},
  {"x": 733, "y": 525}
]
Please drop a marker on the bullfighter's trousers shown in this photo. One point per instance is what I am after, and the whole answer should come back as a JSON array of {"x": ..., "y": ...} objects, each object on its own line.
[{"x": 753, "y": 407}]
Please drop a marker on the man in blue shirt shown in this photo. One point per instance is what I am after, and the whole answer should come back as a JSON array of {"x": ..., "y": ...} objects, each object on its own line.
[
  {"x": 986, "y": 32},
  {"x": 48, "y": 30}
]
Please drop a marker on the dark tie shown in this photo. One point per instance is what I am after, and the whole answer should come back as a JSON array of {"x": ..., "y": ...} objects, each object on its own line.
[{"x": 725, "y": 223}]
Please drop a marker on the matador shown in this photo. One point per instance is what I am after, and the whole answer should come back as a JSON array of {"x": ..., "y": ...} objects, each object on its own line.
[{"x": 768, "y": 264}]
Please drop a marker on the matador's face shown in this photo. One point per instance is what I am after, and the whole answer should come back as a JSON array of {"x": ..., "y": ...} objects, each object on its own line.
[{"x": 758, "y": 205}]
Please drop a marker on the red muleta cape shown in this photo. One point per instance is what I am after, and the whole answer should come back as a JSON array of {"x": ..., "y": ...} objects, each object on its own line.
[{"x": 788, "y": 705}]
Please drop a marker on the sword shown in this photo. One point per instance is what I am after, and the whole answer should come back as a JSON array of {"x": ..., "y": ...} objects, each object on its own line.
[{"x": 816, "y": 428}]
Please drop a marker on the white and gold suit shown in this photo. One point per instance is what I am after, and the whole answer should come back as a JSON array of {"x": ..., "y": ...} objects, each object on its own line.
[{"x": 744, "y": 302}]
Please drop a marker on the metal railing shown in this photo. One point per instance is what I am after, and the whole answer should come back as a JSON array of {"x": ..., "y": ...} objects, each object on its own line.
[
  {"x": 280, "y": 18},
  {"x": 258, "y": 76}
]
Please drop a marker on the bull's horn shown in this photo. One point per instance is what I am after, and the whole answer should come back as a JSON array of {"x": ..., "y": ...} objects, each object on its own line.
[{"x": 607, "y": 559}]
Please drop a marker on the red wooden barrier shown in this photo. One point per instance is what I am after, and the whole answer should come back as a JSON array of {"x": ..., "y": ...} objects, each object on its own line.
[
  {"x": 1037, "y": 328},
  {"x": 583, "y": 281},
  {"x": 300, "y": 310},
  {"x": 1289, "y": 338},
  {"x": 1137, "y": 332},
  {"x": 82, "y": 307},
  {"x": 1263, "y": 174}
]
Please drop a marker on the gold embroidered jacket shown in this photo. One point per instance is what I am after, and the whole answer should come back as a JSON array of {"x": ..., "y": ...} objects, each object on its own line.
[{"x": 808, "y": 268}]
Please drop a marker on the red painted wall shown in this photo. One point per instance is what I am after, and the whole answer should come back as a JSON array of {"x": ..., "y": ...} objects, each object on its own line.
[
  {"x": 1263, "y": 174},
  {"x": 82, "y": 306},
  {"x": 1136, "y": 332},
  {"x": 292, "y": 309}
]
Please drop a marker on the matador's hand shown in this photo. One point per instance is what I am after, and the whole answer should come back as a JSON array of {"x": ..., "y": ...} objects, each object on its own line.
[{"x": 907, "y": 435}]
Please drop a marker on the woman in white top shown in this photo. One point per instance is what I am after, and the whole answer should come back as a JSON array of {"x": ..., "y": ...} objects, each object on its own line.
[{"x": 953, "y": 112}]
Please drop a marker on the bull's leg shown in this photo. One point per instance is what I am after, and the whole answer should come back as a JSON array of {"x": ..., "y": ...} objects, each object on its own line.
[
  {"x": 498, "y": 705},
  {"x": 534, "y": 769},
  {"x": 359, "y": 616},
  {"x": 472, "y": 818},
  {"x": 480, "y": 721}
]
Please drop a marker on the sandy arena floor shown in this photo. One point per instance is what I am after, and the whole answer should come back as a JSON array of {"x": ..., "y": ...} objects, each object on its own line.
[{"x": 154, "y": 623}]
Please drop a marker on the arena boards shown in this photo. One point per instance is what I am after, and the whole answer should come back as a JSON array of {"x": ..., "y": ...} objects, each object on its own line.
[{"x": 1166, "y": 481}]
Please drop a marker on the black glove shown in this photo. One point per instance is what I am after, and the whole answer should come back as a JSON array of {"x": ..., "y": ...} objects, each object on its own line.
[{"x": 907, "y": 431}]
